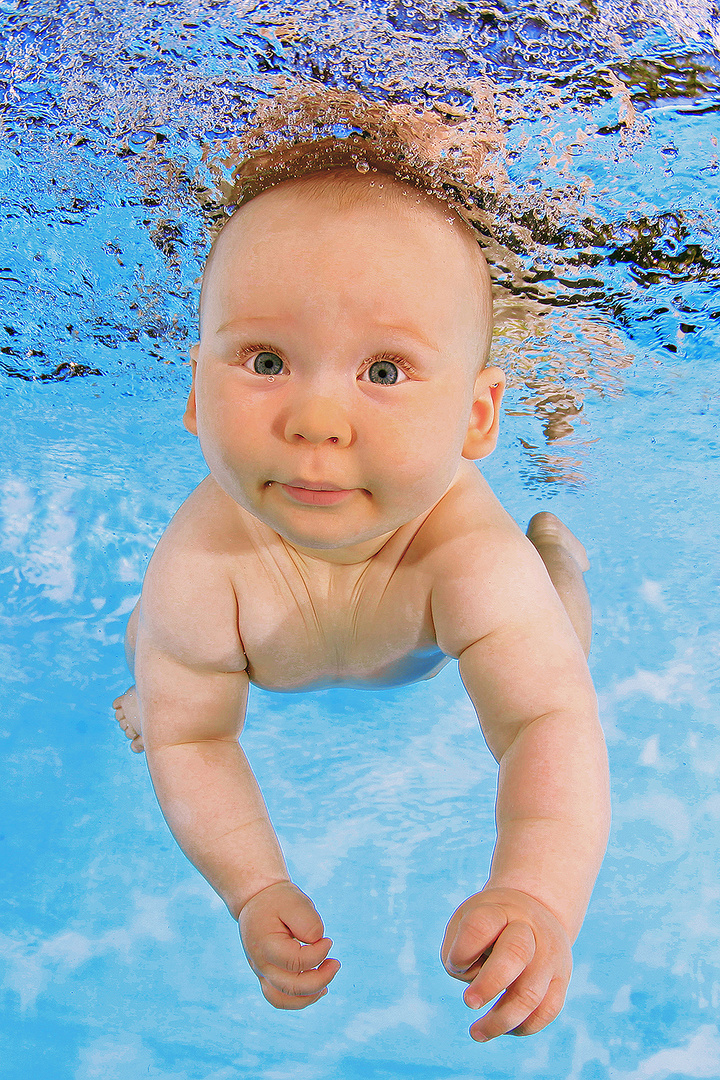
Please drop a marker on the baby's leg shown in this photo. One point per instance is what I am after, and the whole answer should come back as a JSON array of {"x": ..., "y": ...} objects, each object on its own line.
[
  {"x": 127, "y": 710},
  {"x": 565, "y": 561}
]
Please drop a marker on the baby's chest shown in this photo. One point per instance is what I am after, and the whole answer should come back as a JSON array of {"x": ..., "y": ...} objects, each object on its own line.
[{"x": 300, "y": 635}]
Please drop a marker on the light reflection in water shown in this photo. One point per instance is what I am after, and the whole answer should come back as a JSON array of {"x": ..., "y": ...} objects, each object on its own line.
[{"x": 549, "y": 125}]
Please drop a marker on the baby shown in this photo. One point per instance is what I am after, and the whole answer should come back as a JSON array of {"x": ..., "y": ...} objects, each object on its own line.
[{"x": 345, "y": 537}]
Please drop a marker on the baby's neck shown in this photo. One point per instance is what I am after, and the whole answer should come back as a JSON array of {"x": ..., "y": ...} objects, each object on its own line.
[{"x": 353, "y": 555}]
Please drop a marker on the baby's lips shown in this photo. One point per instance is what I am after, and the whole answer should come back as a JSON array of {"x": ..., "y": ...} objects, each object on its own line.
[{"x": 315, "y": 495}]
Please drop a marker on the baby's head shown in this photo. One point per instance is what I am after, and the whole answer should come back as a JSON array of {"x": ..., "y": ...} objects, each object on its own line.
[
  {"x": 377, "y": 194},
  {"x": 341, "y": 374}
]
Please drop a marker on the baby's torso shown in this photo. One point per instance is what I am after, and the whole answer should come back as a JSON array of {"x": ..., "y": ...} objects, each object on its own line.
[
  {"x": 305, "y": 624},
  {"x": 298, "y": 622}
]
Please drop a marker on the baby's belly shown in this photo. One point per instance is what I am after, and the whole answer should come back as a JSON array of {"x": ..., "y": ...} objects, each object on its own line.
[{"x": 297, "y": 676}]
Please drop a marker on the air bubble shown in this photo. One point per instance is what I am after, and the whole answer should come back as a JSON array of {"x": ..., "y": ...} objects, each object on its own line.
[{"x": 362, "y": 166}]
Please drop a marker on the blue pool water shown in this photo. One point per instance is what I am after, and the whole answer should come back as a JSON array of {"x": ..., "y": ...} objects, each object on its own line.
[{"x": 118, "y": 961}]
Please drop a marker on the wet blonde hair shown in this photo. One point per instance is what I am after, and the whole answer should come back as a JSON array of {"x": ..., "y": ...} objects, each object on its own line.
[{"x": 327, "y": 137}]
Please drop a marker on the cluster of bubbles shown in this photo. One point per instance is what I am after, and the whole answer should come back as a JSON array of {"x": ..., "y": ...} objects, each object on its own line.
[{"x": 528, "y": 118}]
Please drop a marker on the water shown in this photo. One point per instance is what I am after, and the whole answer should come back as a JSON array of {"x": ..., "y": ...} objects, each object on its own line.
[{"x": 118, "y": 960}]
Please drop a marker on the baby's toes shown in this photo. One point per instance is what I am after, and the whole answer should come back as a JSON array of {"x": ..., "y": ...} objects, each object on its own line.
[
  {"x": 128, "y": 717},
  {"x": 127, "y": 727},
  {"x": 137, "y": 745},
  {"x": 123, "y": 721}
]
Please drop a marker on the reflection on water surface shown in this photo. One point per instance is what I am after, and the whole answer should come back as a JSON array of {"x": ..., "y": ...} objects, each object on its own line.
[{"x": 580, "y": 136}]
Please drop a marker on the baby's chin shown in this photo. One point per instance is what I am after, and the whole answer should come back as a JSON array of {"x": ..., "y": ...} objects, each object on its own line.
[
  {"x": 333, "y": 544},
  {"x": 330, "y": 533}
]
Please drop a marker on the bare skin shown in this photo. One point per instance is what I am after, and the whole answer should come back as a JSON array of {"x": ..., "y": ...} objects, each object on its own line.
[
  {"x": 562, "y": 553},
  {"x": 344, "y": 537}
]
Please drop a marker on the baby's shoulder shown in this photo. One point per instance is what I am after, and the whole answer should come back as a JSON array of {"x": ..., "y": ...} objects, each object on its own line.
[
  {"x": 208, "y": 524},
  {"x": 194, "y": 558},
  {"x": 468, "y": 522},
  {"x": 188, "y": 604},
  {"x": 484, "y": 570}
]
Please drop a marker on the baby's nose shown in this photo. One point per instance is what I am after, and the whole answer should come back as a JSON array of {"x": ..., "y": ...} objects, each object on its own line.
[{"x": 317, "y": 420}]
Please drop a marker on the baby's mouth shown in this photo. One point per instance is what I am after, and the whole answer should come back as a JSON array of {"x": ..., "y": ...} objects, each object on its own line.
[{"x": 311, "y": 494}]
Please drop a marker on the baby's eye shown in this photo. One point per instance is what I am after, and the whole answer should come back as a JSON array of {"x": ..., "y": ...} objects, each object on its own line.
[
  {"x": 267, "y": 363},
  {"x": 384, "y": 373}
]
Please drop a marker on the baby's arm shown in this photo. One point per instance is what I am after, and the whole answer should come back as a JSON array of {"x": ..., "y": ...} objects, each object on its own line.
[
  {"x": 526, "y": 674},
  {"x": 192, "y": 689}
]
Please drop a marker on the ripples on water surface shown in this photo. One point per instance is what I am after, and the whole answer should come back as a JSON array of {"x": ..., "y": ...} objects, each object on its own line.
[
  {"x": 605, "y": 194},
  {"x": 601, "y": 212}
]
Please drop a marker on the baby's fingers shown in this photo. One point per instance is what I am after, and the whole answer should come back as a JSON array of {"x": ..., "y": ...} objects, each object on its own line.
[
  {"x": 511, "y": 954},
  {"x": 282, "y": 951},
  {"x": 469, "y": 936},
  {"x": 550, "y": 1007},
  {"x": 286, "y": 990},
  {"x": 526, "y": 997}
]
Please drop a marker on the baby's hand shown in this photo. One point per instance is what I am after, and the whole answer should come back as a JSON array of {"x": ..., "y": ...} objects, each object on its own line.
[
  {"x": 504, "y": 940},
  {"x": 272, "y": 926}
]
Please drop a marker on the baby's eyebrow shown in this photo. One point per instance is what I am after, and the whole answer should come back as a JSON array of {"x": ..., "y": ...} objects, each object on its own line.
[
  {"x": 234, "y": 325},
  {"x": 404, "y": 331},
  {"x": 237, "y": 324}
]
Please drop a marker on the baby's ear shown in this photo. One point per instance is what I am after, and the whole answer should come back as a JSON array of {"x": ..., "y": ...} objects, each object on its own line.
[
  {"x": 482, "y": 430},
  {"x": 190, "y": 417}
]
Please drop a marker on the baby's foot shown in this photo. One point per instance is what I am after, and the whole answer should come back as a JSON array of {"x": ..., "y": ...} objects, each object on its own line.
[
  {"x": 127, "y": 714},
  {"x": 545, "y": 528}
]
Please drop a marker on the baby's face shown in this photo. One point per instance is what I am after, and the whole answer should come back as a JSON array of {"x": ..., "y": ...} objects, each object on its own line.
[{"x": 336, "y": 386}]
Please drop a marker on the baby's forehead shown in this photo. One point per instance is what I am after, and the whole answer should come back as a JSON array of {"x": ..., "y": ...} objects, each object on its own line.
[{"x": 340, "y": 192}]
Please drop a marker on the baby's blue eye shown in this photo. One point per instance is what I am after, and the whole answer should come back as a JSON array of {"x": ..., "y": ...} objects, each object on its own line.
[
  {"x": 383, "y": 372},
  {"x": 268, "y": 363}
]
